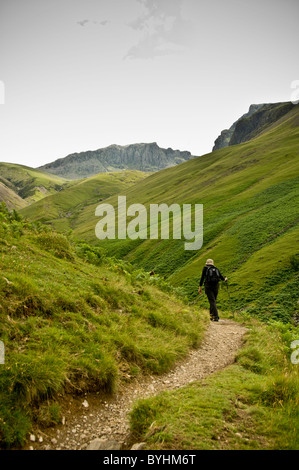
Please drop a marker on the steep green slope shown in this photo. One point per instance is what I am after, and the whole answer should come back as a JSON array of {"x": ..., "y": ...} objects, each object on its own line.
[
  {"x": 73, "y": 321},
  {"x": 29, "y": 184},
  {"x": 63, "y": 209},
  {"x": 250, "y": 197}
]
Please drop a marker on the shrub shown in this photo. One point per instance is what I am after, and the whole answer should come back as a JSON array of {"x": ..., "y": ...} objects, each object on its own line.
[
  {"x": 91, "y": 254},
  {"x": 294, "y": 260},
  {"x": 56, "y": 244}
]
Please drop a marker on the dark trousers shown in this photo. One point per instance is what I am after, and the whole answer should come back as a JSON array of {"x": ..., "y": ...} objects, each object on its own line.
[{"x": 212, "y": 291}]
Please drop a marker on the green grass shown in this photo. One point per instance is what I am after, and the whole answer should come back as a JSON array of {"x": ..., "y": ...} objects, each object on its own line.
[
  {"x": 251, "y": 405},
  {"x": 65, "y": 209},
  {"x": 30, "y": 184},
  {"x": 74, "y": 318},
  {"x": 10, "y": 197},
  {"x": 73, "y": 321},
  {"x": 250, "y": 197}
]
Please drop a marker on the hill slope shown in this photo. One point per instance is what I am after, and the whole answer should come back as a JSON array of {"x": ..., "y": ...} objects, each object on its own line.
[
  {"x": 250, "y": 197},
  {"x": 10, "y": 197},
  {"x": 72, "y": 321},
  {"x": 63, "y": 209},
  {"x": 25, "y": 185},
  {"x": 143, "y": 157}
]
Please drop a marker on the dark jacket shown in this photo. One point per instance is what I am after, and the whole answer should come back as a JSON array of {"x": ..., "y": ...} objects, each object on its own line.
[{"x": 204, "y": 274}]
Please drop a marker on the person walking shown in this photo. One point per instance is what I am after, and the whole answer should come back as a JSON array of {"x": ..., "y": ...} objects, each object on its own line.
[{"x": 210, "y": 277}]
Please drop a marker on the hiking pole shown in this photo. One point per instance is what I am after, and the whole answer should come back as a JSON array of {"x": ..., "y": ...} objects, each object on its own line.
[
  {"x": 230, "y": 303},
  {"x": 196, "y": 299}
]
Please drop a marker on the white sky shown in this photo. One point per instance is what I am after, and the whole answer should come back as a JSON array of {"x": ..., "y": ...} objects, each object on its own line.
[{"x": 83, "y": 74}]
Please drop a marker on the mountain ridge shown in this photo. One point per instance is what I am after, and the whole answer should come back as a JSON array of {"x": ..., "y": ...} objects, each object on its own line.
[
  {"x": 258, "y": 118},
  {"x": 146, "y": 157}
]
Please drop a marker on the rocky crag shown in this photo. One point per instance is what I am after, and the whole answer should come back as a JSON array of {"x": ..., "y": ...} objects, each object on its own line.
[
  {"x": 255, "y": 121},
  {"x": 144, "y": 157}
]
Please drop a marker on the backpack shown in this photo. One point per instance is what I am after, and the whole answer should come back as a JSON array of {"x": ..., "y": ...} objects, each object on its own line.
[{"x": 213, "y": 274}]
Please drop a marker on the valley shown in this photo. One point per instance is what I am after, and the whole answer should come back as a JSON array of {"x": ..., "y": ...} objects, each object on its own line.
[{"x": 88, "y": 317}]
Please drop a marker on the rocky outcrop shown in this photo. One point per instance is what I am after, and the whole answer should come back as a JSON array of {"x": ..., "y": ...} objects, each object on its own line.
[
  {"x": 249, "y": 127},
  {"x": 144, "y": 157},
  {"x": 223, "y": 140},
  {"x": 255, "y": 121}
]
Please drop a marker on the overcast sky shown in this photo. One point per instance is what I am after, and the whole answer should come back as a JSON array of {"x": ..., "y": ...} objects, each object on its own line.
[{"x": 83, "y": 74}]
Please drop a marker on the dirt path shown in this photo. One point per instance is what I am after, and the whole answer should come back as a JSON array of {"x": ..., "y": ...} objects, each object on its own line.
[{"x": 90, "y": 417}]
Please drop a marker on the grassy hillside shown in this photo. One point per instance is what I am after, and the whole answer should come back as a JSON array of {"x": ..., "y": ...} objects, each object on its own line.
[
  {"x": 63, "y": 209},
  {"x": 28, "y": 184},
  {"x": 74, "y": 321},
  {"x": 250, "y": 198},
  {"x": 10, "y": 197}
]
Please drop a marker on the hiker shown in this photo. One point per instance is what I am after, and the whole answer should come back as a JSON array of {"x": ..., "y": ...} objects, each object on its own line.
[{"x": 211, "y": 277}]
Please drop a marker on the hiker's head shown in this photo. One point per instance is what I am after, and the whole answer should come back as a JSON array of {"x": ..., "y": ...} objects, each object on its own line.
[{"x": 209, "y": 262}]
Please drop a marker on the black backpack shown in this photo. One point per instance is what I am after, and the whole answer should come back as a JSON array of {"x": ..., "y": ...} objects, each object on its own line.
[{"x": 213, "y": 275}]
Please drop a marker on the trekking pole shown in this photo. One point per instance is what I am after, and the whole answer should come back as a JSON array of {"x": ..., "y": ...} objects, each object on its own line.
[
  {"x": 196, "y": 299},
  {"x": 230, "y": 303}
]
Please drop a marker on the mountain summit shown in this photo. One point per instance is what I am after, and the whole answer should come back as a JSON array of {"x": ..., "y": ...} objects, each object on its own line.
[
  {"x": 252, "y": 123},
  {"x": 145, "y": 157}
]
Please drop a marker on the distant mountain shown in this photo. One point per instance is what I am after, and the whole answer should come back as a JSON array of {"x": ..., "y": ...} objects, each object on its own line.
[
  {"x": 255, "y": 121},
  {"x": 144, "y": 157}
]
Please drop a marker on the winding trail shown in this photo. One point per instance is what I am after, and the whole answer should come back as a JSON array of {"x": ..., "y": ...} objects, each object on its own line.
[{"x": 90, "y": 416}]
